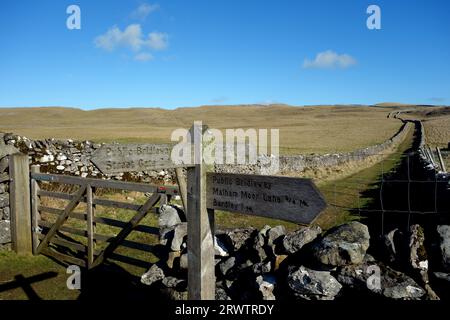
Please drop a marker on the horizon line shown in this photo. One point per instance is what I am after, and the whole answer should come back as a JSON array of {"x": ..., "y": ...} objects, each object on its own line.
[{"x": 380, "y": 104}]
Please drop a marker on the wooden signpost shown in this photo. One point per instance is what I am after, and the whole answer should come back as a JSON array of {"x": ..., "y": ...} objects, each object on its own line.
[
  {"x": 284, "y": 198},
  {"x": 118, "y": 158}
]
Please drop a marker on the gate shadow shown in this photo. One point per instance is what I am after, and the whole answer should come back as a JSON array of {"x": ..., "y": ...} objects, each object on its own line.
[
  {"x": 110, "y": 281},
  {"x": 20, "y": 281}
]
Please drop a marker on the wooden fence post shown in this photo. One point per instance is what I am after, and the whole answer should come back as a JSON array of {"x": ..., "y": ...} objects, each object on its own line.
[
  {"x": 20, "y": 203},
  {"x": 201, "y": 268}
]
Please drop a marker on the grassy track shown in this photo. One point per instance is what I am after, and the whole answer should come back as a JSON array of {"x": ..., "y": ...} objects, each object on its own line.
[{"x": 350, "y": 192}]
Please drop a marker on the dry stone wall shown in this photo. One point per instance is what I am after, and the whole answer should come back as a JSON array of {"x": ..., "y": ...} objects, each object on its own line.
[
  {"x": 432, "y": 167},
  {"x": 301, "y": 163},
  {"x": 308, "y": 264},
  {"x": 5, "y": 212},
  {"x": 73, "y": 158}
]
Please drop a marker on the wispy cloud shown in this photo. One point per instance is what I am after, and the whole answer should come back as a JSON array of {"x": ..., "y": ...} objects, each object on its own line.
[
  {"x": 131, "y": 38},
  {"x": 143, "y": 57},
  {"x": 142, "y": 12},
  {"x": 329, "y": 60}
]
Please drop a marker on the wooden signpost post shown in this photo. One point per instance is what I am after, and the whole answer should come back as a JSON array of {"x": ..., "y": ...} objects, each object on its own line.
[
  {"x": 283, "y": 198},
  {"x": 201, "y": 266}
]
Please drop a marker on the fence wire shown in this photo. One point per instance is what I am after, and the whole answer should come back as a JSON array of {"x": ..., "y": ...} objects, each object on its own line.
[{"x": 407, "y": 190}]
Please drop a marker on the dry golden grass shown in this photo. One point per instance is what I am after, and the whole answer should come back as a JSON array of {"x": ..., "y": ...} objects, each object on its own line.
[
  {"x": 436, "y": 121},
  {"x": 327, "y": 174},
  {"x": 437, "y": 131},
  {"x": 320, "y": 129}
]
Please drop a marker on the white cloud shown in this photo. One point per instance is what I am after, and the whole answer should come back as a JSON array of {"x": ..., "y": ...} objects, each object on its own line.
[
  {"x": 143, "y": 57},
  {"x": 158, "y": 40},
  {"x": 144, "y": 10},
  {"x": 131, "y": 38},
  {"x": 329, "y": 60}
]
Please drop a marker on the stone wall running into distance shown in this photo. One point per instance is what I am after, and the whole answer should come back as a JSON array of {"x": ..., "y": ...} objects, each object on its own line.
[{"x": 302, "y": 164}]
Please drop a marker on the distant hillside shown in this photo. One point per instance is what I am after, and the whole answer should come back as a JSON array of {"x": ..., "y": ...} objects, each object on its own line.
[
  {"x": 404, "y": 105},
  {"x": 318, "y": 129}
]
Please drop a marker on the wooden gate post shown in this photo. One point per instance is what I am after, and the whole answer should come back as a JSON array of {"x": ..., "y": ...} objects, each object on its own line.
[
  {"x": 20, "y": 203},
  {"x": 201, "y": 268},
  {"x": 90, "y": 225},
  {"x": 35, "y": 202}
]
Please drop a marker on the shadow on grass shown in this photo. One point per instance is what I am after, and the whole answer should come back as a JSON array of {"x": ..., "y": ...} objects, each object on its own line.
[
  {"x": 113, "y": 282},
  {"x": 25, "y": 283}
]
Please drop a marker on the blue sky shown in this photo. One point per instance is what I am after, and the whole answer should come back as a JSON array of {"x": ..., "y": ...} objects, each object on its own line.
[{"x": 179, "y": 53}]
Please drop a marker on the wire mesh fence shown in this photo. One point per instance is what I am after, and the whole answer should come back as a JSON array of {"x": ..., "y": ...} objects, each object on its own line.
[{"x": 395, "y": 193}]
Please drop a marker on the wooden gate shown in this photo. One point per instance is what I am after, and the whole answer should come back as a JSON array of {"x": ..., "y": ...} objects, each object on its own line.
[{"x": 50, "y": 235}]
